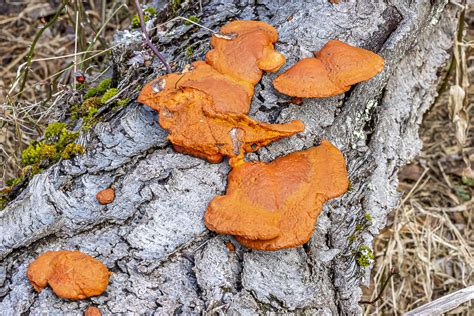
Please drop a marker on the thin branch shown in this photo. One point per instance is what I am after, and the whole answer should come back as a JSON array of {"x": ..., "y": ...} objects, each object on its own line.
[
  {"x": 147, "y": 38},
  {"x": 444, "y": 304}
]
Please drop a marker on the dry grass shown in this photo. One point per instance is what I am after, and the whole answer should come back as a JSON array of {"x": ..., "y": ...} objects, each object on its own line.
[{"x": 429, "y": 240}]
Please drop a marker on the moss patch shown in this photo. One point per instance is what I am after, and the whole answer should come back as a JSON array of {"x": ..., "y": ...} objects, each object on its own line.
[
  {"x": 54, "y": 130},
  {"x": 72, "y": 150},
  {"x": 101, "y": 88},
  {"x": 147, "y": 14},
  {"x": 108, "y": 94},
  {"x": 192, "y": 18},
  {"x": 175, "y": 5},
  {"x": 365, "y": 256}
]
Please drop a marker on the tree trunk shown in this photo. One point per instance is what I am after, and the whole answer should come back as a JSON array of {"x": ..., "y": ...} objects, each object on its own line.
[{"x": 153, "y": 237}]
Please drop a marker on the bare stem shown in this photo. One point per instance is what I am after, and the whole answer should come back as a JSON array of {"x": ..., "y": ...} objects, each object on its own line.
[
  {"x": 147, "y": 38},
  {"x": 384, "y": 285}
]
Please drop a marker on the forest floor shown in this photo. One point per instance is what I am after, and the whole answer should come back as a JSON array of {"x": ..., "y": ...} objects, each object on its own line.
[{"x": 426, "y": 248}]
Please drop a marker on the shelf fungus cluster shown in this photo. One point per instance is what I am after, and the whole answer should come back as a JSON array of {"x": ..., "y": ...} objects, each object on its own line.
[
  {"x": 267, "y": 206},
  {"x": 270, "y": 206},
  {"x": 205, "y": 108},
  {"x": 70, "y": 274}
]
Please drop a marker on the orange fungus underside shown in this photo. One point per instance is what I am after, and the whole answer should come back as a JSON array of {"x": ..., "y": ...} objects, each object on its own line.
[
  {"x": 270, "y": 206},
  {"x": 332, "y": 71},
  {"x": 70, "y": 274}
]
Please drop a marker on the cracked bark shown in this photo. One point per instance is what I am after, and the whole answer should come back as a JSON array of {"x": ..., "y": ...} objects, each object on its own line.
[{"x": 153, "y": 237}]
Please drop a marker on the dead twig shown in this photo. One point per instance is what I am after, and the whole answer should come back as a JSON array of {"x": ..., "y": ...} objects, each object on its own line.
[
  {"x": 384, "y": 285},
  {"x": 146, "y": 37}
]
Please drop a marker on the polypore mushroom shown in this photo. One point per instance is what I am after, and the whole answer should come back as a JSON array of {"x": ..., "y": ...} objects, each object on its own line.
[
  {"x": 197, "y": 129},
  {"x": 270, "y": 206},
  {"x": 244, "y": 49},
  {"x": 332, "y": 71},
  {"x": 204, "y": 108},
  {"x": 92, "y": 311},
  {"x": 228, "y": 94},
  {"x": 70, "y": 274},
  {"x": 105, "y": 196}
]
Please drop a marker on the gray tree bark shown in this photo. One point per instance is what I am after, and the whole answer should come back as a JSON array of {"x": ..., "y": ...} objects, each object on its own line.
[{"x": 153, "y": 237}]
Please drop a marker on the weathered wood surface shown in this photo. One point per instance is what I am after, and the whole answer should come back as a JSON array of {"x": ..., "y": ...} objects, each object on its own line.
[
  {"x": 153, "y": 237},
  {"x": 444, "y": 304}
]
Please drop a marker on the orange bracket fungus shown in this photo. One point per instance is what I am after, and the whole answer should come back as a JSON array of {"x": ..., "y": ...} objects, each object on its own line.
[
  {"x": 197, "y": 129},
  {"x": 270, "y": 206},
  {"x": 70, "y": 274},
  {"x": 244, "y": 49},
  {"x": 92, "y": 311},
  {"x": 332, "y": 71},
  {"x": 204, "y": 109},
  {"x": 105, "y": 196}
]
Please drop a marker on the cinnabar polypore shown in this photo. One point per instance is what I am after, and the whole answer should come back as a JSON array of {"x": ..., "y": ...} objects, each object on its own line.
[
  {"x": 70, "y": 274},
  {"x": 270, "y": 206},
  {"x": 195, "y": 128},
  {"x": 205, "y": 108},
  {"x": 332, "y": 71},
  {"x": 244, "y": 49}
]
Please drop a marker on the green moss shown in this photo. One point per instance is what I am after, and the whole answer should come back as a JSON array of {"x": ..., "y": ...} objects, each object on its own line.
[
  {"x": 123, "y": 102},
  {"x": 72, "y": 150},
  {"x": 150, "y": 11},
  {"x": 30, "y": 170},
  {"x": 14, "y": 181},
  {"x": 365, "y": 256},
  {"x": 31, "y": 154},
  {"x": 192, "y": 18},
  {"x": 54, "y": 129},
  {"x": 108, "y": 94},
  {"x": 74, "y": 110},
  {"x": 359, "y": 227},
  {"x": 58, "y": 143},
  {"x": 93, "y": 102},
  {"x": 368, "y": 217},
  {"x": 175, "y": 5},
  {"x": 92, "y": 112},
  {"x": 136, "y": 21},
  {"x": 3, "y": 202},
  {"x": 147, "y": 14},
  {"x": 48, "y": 152},
  {"x": 189, "y": 52},
  {"x": 66, "y": 138},
  {"x": 91, "y": 93},
  {"x": 101, "y": 88}
]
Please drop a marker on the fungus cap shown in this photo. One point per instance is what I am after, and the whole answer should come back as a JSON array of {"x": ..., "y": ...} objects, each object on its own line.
[
  {"x": 195, "y": 128},
  {"x": 228, "y": 95},
  {"x": 270, "y": 206},
  {"x": 92, "y": 311},
  {"x": 332, "y": 71},
  {"x": 248, "y": 53},
  {"x": 105, "y": 196},
  {"x": 70, "y": 274}
]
